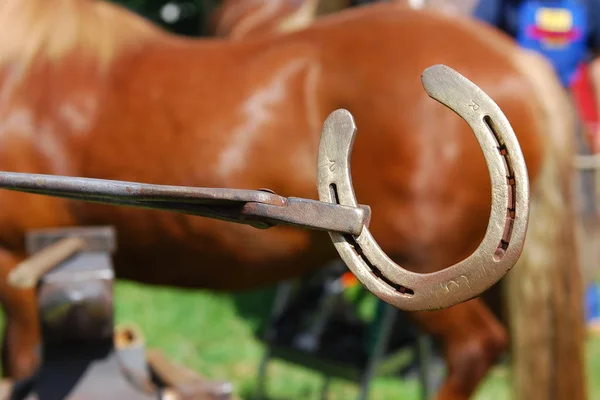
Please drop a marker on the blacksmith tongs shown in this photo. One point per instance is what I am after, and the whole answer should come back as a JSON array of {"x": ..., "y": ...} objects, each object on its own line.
[{"x": 338, "y": 212}]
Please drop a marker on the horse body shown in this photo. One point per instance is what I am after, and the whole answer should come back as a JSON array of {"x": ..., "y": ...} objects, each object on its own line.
[
  {"x": 169, "y": 110},
  {"x": 261, "y": 130}
]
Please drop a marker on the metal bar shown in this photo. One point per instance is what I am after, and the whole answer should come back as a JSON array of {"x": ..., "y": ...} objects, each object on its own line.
[
  {"x": 424, "y": 350},
  {"x": 314, "y": 215},
  {"x": 260, "y": 209},
  {"x": 112, "y": 191},
  {"x": 381, "y": 344}
]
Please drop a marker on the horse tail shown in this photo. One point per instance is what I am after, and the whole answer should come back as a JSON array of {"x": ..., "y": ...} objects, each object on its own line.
[{"x": 545, "y": 286}]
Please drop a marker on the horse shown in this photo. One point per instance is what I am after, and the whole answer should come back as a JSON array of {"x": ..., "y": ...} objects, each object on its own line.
[{"x": 89, "y": 89}]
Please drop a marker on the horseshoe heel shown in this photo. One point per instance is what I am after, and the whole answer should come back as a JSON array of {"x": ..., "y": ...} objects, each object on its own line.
[{"x": 505, "y": 236}]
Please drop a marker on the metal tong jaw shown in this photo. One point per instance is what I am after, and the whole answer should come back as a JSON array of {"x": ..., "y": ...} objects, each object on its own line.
[{"x": 338, "y": 212}]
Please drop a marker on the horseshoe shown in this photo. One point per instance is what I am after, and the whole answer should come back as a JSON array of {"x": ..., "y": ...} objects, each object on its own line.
[
  {"x": 338, "y": 212},
  {"x": 505, "y": 236}
]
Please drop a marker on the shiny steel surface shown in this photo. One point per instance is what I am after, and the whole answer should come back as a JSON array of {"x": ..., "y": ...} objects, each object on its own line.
[{"x": 338, "y": 211}]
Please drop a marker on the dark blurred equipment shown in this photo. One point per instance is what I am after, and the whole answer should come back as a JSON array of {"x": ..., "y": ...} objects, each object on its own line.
[
  {"x": 313, "y": 324},
  {"x": 362, "y": 2},
  {"x": 83, "y": 356},
  {"x": 183, "y": 17}
]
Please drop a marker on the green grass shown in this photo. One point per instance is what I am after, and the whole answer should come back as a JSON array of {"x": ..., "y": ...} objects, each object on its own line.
[{"x": 216, "y": 335}]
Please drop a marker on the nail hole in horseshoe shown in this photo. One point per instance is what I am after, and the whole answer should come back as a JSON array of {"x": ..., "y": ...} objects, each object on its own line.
[
  {"x": 374, "y": 270},
  {"x": 510, "y": 181},
  {"x": 334, "y": 193}
]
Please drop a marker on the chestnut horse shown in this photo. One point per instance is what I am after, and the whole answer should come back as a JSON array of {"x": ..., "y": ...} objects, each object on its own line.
[{"x": 89, "y": 89}]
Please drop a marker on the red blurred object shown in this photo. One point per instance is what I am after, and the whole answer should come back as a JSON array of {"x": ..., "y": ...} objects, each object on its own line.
[
  {"x": 583, "y": 93},
  {"x": 349, "y": 280}
]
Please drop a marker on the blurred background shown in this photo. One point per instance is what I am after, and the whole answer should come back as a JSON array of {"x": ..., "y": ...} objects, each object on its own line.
[{"x": 299, "y": 339}]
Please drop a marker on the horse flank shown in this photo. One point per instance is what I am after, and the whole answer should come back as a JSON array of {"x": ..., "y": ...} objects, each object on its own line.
[{"x": 52, "y": 29}]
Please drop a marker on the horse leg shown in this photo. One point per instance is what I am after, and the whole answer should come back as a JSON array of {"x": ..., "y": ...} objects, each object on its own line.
[
  {"x": 21, "y": 330},
  {"x": 472, "y": 338}
]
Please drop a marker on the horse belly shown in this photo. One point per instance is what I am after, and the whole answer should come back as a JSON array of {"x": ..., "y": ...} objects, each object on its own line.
[{"x": 200, "y": 253}]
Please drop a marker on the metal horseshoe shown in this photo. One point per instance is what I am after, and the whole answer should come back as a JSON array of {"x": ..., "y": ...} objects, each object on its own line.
[{"x": 505, "y": 236}]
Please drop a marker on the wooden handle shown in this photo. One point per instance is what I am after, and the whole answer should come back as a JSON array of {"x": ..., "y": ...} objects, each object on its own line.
[
  {"x": 28, "y": 273},
  {"x": 184, "y": 383},
  {"x": 171, "y": 373}
]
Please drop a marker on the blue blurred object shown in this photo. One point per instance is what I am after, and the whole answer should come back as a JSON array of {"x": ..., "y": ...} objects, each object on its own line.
[{"x": 592, "y": 302}]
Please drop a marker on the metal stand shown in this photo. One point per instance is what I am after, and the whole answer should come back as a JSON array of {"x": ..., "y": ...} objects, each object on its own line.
[
  {"x": 305, "y": 346},
  {"x": 424, "y": 354}
]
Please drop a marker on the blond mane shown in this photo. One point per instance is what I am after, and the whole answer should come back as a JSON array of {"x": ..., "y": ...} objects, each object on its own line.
[
  {"x": 237, "y": 19},
  {"x": 52, "y": 29}
]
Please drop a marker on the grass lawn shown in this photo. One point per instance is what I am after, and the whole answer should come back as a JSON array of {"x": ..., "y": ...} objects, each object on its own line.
[{"x": 216, "y": 335}]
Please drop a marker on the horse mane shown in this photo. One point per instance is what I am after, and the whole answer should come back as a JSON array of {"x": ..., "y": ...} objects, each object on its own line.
[
  {"x": 228, "y": 14},
  {"x": 52, "y": 29},
  {"x": 301, "y": 17},
  {"x": 235, "y": 18}
]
